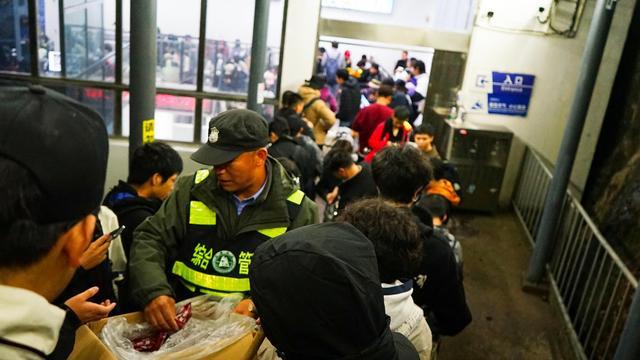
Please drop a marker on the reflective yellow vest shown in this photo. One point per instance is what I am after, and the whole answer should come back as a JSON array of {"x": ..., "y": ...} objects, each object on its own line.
[{"x": 215, "y": 266}]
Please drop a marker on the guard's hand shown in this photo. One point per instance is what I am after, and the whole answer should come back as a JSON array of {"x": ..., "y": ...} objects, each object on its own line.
[
  {"x": 96, "y": 252},
  {"x": 86, "y": 310},
  {"x": 161, "y": 313}
]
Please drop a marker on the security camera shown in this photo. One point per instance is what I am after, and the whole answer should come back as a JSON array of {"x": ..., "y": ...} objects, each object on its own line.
[{"x": 489, "y": 14}]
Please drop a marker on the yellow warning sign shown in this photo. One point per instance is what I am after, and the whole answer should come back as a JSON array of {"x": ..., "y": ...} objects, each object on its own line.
[{"x": 148, "y": 131}]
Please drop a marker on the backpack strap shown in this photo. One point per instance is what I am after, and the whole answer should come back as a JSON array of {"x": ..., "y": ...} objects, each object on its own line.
[{"x": 308, "y": 105}]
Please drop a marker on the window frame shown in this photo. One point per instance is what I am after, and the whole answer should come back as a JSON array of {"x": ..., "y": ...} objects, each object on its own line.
[{"x": 118, "y": 86}]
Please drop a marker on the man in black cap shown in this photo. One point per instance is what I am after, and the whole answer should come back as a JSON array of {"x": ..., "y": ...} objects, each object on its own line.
[
  {"x": 53, "y": 159},
  {"x": 203, "y": 237},
  {"x": 317, "y": 292}
]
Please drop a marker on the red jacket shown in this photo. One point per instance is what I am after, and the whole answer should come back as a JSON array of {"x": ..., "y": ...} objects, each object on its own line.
[
  {"x": 366, "y": 121},
  {"x": 379, "y": 139}
]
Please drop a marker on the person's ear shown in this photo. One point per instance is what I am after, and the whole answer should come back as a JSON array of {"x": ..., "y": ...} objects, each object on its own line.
[
  {"x": 156, "y": 179},
  {"x": 417, "y": 194},
  {"x": 261, "y": 156},
  {"x": 77, "y": 239}
]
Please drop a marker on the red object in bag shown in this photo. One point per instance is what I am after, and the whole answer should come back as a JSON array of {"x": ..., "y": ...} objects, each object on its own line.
[{"x": 153, "y": 342}]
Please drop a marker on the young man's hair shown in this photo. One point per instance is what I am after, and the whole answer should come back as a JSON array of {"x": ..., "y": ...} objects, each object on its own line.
[
  {"x": 424, "y": 129},
  {"x": 394, "y": 234},
  {"x": 334, "y": 44},
  {"x": 23, "y": 239},
  {"x": 385, "y": 91},
  {"x": 400, "y": 171},
  {"x": 401, "y": 112},
  {"x": 343, "y": 145},
  {"x": 156, "y": 157},
  {"x": 290, "y": 99},
  {"x": 342, "y": 74},
  {"x": 388, "y": 81},
  {"x": 419, "y": 64},
  {"x": 436, "y": 205},
  {"x": 337, "y": 159},
  {"x": 295, "y": 124},
  {"x": 279, "y": 126},
  {"x": 375, "y": 66}
]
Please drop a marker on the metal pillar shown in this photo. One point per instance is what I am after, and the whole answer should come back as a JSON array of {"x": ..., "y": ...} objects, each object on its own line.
[
  {"x": 143, "y": 68},
  {"x": 594, "y": 49},
  {"x": 629, "y": 346},
  {"x": 258, "y": 52},
  {"x": 33, "y": 39}
]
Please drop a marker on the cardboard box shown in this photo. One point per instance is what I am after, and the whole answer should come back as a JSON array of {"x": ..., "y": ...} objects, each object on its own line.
[{"x": 89, "y": 347}]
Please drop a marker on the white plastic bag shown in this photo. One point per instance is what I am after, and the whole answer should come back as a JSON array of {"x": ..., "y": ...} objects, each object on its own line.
[{"x": 212, "y": 327}]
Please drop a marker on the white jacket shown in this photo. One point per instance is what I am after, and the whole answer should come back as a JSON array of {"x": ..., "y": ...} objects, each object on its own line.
[
  {"x": 407, "y": 318},
  {"x": 27, "y": 318}
]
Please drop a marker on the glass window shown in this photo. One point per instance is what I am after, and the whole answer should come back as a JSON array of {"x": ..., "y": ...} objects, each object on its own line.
[
  {"x": 89, "y": 37},
  {"x": 98, "y": 99},
  {"x": 177, "y": 43},
  {"x": 14, "y": 36},
  {"x": 174, "y": 117},
  {"x": 228, "y": 48},
  {"x": 49, "y": 53}
]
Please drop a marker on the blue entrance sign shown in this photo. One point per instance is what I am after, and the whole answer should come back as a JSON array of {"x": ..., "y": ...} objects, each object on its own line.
[{"x": 511, "y": 94}]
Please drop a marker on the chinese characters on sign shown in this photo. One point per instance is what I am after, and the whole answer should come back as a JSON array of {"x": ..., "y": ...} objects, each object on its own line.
[
  {"x": 201, "y": 256},
  {"x": 510, "y": 94},
  {"x": 148, "y": 132}
]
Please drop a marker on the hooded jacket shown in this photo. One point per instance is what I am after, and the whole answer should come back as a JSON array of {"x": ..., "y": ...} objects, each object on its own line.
[
  {"x": 295, "y": 151},
  {"x": 158, "y": 238},
  {"x": 130, "y": 209},
  {"x": 318, "y": 293},
  {"x": 318, "y": 113}
]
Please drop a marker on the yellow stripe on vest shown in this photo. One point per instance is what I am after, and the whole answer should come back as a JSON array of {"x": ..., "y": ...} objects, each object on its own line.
[
  {"x": 296, "y": 197},
  {"x": 273, "y": 232},
  {"x": 204, "y": 291},
  {"x": 201, "y": 175},
  {"x": 200, "y": 214},
  {"x": 213, "y": 282}
]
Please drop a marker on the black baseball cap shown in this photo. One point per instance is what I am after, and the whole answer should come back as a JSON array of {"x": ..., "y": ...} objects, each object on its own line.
[
  {"x": 230, "y": 134},
  {"x": 63, "y": 143}
]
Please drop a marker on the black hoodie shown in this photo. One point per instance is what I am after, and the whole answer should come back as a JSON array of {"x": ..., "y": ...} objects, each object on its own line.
[
  {"x": 130, "y": 209},
  {"x": 317, "y": 291},
  {"x": 349, "y": 102}
]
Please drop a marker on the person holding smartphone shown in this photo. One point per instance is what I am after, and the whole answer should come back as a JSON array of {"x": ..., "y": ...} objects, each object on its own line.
[{"x": 95, "y": 267}]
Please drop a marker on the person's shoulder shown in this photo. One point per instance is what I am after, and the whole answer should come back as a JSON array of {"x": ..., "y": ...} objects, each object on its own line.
[{"x": 437, "y": 245}]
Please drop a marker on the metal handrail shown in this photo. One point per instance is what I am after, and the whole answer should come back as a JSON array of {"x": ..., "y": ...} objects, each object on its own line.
[
  {"x": 593, "y": 227},
  {"x": 604, "y": 243},
  {"x": 590, "y": 283}
]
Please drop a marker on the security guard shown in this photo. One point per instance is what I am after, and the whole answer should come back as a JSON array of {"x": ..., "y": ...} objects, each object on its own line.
[{"x": 203, "y": 237}]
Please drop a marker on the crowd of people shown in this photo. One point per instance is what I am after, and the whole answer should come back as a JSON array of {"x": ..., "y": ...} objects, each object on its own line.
[{"x": 376, "y": 275}]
